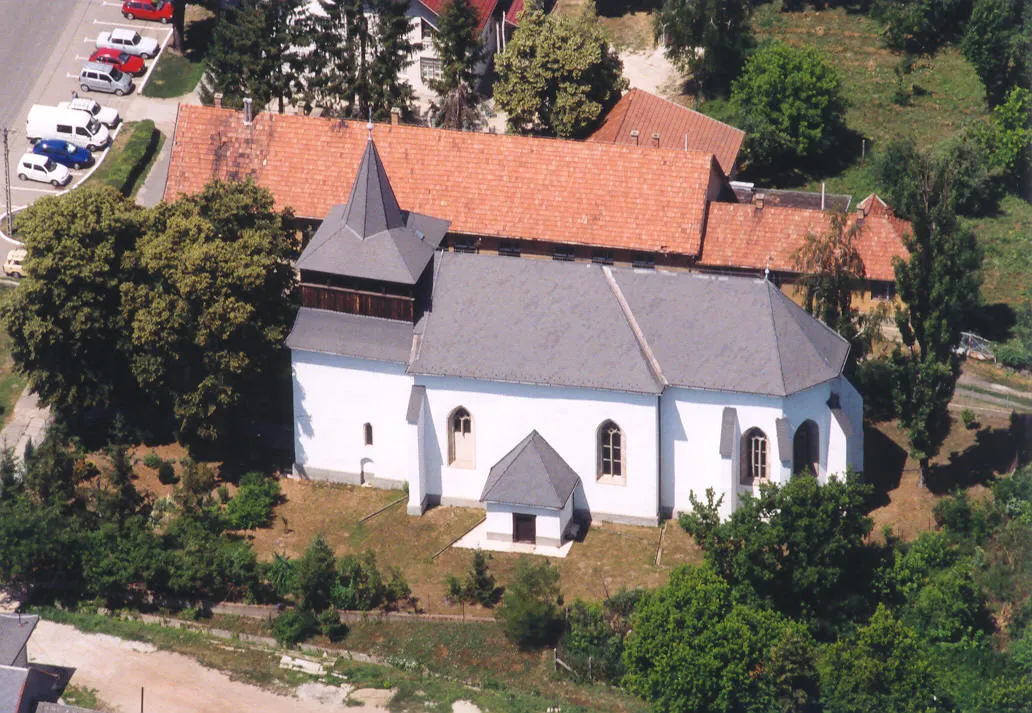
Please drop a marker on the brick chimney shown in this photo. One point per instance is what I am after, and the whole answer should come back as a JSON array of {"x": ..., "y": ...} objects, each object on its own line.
[
  {"x": 395, "y": 116},
  {"x": 634, "y": 136},
  {"x": 218, "y": 99}
]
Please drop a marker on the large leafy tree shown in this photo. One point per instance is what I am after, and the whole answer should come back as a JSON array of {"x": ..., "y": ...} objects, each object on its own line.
[
  {"x": 789, "y": 101},
  {"x": 708, "y": 38},
  {"x": 558, "y": 75},
  {"x": 997, "y": 46},
  {"x": 922, "y": 26},
  {"x": 208, "y": 308},
  {"x": 67, "y": 330},
  {"x": 458, "y": 45},
  {"x": 880, "y": 668},
  {"x": 800, "y": 547},
  {"x": 938, "y": 287},
  {"x": 692, "y": 649}
]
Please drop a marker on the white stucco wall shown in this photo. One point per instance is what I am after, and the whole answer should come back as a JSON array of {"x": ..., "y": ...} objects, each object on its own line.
[
  {"x": 417, "y": 12},
  {"x": 503, "y": 414},
  {"x": 334, "y": 397},
  {"x": 550, "y": 525}
]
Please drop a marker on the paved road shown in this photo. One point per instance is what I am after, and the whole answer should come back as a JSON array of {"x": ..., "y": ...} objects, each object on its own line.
[{"x": 29, "y": 39}]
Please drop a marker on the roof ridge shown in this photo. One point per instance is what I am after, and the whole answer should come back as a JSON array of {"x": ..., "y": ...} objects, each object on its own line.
[
  {"x": 639, "y": 335},
  {"x": 533, "y": 438},
  {"x": 777, "y": 343}
]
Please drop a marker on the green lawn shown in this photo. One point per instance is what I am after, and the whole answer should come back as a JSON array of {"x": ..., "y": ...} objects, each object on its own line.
[
  {"x": 174, "y": 76},
  {"x": 130, "y": 158}
]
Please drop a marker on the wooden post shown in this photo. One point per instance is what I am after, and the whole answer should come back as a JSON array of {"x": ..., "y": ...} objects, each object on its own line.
[{"x": 141, "y": 699}]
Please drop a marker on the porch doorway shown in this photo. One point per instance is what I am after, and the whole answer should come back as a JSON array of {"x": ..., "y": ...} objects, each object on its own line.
[{"x": 524, "y": 528}]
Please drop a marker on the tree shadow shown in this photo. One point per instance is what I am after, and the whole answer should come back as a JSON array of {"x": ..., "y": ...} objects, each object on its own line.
[
  {"x": 884, "y": 461},
  {"x": 993, "y": 321},
  {"x": 619, "y": 8},
  {"x": 994, "y": 451},
  {"x": 197, "y": 38}
]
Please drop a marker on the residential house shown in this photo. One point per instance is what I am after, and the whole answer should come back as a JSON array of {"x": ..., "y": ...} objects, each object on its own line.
[
  {"x": 606, "y": 202},
  {"x": 22, "y": 685},
  {"x": 540, "y": 389},
  {"x": 643, "y": 119}
]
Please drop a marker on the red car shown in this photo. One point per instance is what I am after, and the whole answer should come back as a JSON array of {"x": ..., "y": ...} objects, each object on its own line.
[
  {"x": 160, "y": 10},
  {"x": 128, "y": 63}
]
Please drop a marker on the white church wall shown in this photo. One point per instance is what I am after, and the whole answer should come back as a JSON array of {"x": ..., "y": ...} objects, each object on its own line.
[
  {"x": 568, "y": 418},
  {"x": 334, "y": 397}
]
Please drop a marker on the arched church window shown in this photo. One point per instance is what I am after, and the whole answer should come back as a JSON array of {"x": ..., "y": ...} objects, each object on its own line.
[
  {"x": 611, "y": 451},
  {"x": 460, "y": 439},
  {"x": 755, "y": 454}
]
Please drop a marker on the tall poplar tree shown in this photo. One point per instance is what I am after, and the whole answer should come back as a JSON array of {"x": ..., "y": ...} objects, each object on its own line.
[{"x": 938, "y": 287}]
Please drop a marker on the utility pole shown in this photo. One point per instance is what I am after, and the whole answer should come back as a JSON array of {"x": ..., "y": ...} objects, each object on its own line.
[{"x": 7, "y": 180}]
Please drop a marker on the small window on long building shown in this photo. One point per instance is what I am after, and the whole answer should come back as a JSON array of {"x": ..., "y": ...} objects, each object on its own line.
[
  {"x": 509, "y": 249},
  {"x": 367, "y": 431},
  {"x": 563, "y": 253},
  {"x": 464, "y": 244},
  {"x": 602, "y": 257}
]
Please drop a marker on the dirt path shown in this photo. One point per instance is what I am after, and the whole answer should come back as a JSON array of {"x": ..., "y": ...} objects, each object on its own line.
[
  {"x": 173, "y": 683},
  {"x": 975, "y": 391}
]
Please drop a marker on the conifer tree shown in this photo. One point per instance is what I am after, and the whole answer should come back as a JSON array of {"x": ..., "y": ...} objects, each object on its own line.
[
  {"x": 392, "y": 52},
  {"x": 459, "y": 50}
]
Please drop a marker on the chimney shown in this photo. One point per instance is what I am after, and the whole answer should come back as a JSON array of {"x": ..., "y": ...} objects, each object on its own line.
[
  {"x": 758, "y": 199},
  {"x": 218, "y": 99},
  {"x": 822, "y": 195},
  {"x": 395, "y": 116},
  {"x": 634, "y": 136},
  {"x": 248, "y": 111},
  {"x": 686, "y": 142},
  {"x": 655, "y": 137}
]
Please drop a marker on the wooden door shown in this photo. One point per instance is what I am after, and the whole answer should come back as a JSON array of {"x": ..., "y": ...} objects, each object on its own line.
[{"x": 524, "y": 528}]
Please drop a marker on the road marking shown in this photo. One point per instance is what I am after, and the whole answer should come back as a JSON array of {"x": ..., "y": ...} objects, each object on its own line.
[
  {"x": 82, "y": 59},
  {"x": 37, "y": 190},
  {"x": 111, "y": 4},
  {"x": 71, "y": 76},
  {"x": 125, "y": 23}
]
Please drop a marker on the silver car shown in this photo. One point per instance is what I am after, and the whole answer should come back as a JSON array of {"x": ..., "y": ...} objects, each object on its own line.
[{"x": 99, "y": 77}]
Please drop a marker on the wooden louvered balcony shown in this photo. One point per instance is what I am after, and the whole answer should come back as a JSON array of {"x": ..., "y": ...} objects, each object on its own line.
[{"x": 351, "y": 301}]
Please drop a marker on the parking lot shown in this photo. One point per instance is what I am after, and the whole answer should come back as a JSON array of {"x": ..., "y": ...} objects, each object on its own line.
[{"x": 58, "y": 76}]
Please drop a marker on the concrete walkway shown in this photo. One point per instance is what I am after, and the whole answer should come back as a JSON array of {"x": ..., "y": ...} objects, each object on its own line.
[{"x": 30, "y": 420}]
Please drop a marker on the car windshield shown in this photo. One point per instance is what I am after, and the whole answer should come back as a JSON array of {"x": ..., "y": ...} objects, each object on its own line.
[
  {"x": 93, "y": 127},
  {"x": 116, "y": 74},
  {"x": 135, "y": 39},
  {"x": 50, "y": 165},
  {"x": 123, "y": 57},
  {"x": 71, "y": 148}
]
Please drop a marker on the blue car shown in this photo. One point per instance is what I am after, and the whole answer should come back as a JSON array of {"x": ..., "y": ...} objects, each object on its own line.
[{"x": 63, "y": 152}]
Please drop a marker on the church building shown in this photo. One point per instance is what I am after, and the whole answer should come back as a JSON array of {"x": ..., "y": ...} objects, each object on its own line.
[{"x": 547, "y": 391}]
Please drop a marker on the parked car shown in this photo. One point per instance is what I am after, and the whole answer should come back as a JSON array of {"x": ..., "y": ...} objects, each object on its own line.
[
  {"x": 104, "y": 78},
  {"x": 104, "y": 114},
  {"x": 14, "y": 263},
  {"x": 33, "y": 167},
  {"x": 160, "y": 10},
  {"x": 130, "y": 64},
  {"x": 128, "y": 41},
  {"x": 77, "y": 127},
  {"x": 65, "y": 153}
]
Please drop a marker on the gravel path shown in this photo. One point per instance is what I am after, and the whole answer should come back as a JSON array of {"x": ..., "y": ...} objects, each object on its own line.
[{"x": 173, "y": 683}]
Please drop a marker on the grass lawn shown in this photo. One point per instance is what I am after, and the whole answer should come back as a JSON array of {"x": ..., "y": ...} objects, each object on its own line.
[
  {"x": 129, "y": 158},
  {"x": 11, "y": 382},
  {"x": 177, "y": 72},
  {"x": 628, "y": 23}
]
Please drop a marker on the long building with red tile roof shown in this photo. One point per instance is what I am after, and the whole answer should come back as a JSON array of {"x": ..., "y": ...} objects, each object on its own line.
[
  {"x": 753, "y": 236},
  {"x": 536, "y": 190},
  {"x": 643, "y": 119}
]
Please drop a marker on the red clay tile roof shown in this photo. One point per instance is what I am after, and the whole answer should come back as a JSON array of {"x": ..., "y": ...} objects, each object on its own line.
[
  {"x": 649, "y": 114},
  {"x": 512, "y": 15},
  {"x": 742, "y": 235},
  {"x": 484, "y": 9},
  {"x": 485, "y": 184}
]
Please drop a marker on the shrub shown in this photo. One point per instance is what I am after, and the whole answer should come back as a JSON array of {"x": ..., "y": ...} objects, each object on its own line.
[
  {"x": 873, "y": 379},
  {"x": 281, "y": 574},
  {"x": 197, "y": 479},
  {"x": 961, "y": 518},
  {"x": 969, "y": 419},
  {"x": 331, "y": 626},
  {"x": 592, "y": 642},
  {"x": 294, "y": 626},
  {"x": 530, "y": 612},
  {"x": 223, "y": 493},
  {"x": 152, "y": 460},
  {"x": 397, "y": 588},
  {"x": 359, "y": 584},
  {"x": 252, "y": 506},
  {"x": 316, "y": 575},
  {"x": 167, "y": 473},
  {"x": 479, "y": 587}
]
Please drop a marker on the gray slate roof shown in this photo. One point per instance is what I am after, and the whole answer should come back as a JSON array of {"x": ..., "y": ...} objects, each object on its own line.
[
  {"x": 317, "y": 330},
  {"x": 12, "y": 683},
  {"x": 370, "y": 236},
  {"x": 15, "y": 631},
  {"x": 531, "y": 474},
  {"x": 730, "y": 334},
  {"x": 529, "y": 321},
  {"x": 46, "y": 707},
  {"x": 522, "y": 320}
]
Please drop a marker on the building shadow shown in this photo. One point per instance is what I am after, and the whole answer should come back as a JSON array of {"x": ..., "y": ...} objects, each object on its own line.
[{"x": 884, "y": 461}]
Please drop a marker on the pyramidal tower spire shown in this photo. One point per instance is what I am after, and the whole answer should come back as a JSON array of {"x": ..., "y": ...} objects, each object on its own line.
[{"x": 372, "y": 207}]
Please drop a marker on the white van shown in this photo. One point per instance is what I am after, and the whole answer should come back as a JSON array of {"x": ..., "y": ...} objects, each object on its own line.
[{"x": 77, "y": 127}]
